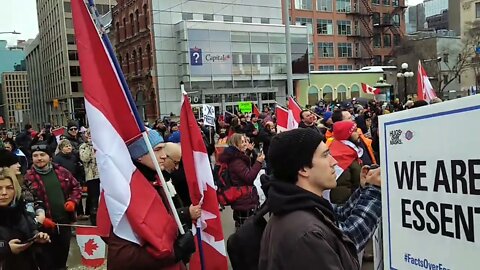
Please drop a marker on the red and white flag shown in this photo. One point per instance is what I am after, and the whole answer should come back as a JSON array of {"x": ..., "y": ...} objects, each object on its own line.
[
  {"x": 202, "y": 191},
  {"x": 370, "y": 89},
  {"x": 294, "y": 111},
  {"x": 58, "y": 133},
  {"x": 282, "y": 118},
  {"x": 129, "y": 202},
  {"x": 425, "y": 89},
  {"x": 256, "y": 111},
  {"x": 91, "y": 246}
]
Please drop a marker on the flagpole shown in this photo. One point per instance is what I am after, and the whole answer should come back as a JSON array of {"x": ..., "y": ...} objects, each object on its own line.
[
  {"x": 200, "y": 246},
  {"x": 140, "y": 124}
]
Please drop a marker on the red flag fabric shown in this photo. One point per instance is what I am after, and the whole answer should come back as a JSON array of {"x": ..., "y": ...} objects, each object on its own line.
[
  {"x": 282, "y": 118},
  {"x": 294, "y": 111},
  {"x": 255, "y": 110},
  {"x": 1, "y": 120},
  {"x": 92, "y": 247},
  {"x": 58, "y": 133},
  {"x": 370, "y": 89},
  {"x": 202, "y": 190},
  {"x": 425, "y": 89},
  {"x": 135, "y": 209}
]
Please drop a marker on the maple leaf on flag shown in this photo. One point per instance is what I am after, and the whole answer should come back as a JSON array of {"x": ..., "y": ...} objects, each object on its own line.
[{"x": 90, "y": 247}]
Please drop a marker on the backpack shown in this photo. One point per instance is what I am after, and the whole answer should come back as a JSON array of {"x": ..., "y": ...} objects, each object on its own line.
[
  {"x": 227, "y": 192},
  {"x": 243, "y": 246}
]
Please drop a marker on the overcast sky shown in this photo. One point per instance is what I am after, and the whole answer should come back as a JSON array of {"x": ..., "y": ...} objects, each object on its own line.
[{"x": 21, "y": 16}]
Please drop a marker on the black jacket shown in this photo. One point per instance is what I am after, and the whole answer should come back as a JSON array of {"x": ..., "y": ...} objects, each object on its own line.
[
  {"x": 265, "y": 136},
  {"x": 71, "y": 163},
  {"x": 314, "y": 127},
  {"x": 302, "y": 233},
  {"x": 16, "y": 223}
]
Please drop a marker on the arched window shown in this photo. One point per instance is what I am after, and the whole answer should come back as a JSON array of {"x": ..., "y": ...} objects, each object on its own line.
[
  {"x": 117, "y": 28},
  {"x": 137, "y": 21},
  {"x": 355, "y": 91},
  {"x": 134, "y": 58},
  {"x": 312, "y": 95},
  {"x": 127, "y": 64},
  {"x": 132, "y": 25},
  {"x": 145, "y": 15},
  {"x": 342, "y": 92},
  {"x": 140, "y": 58},
  {"x": 124, "y": 28},
  {"x": 327, "y": 93},
  {"x": 149, "y": 57}
]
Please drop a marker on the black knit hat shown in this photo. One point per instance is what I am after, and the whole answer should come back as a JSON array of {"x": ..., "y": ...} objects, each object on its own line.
[
  {"x": 292, "y": 150},
  {"x": 42, "y": 147},
  {"x": 7, "y": 158},
  {"x": 72, "y": 123}
]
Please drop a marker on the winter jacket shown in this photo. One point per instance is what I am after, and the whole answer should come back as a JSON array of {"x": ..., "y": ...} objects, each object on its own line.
[
  {"x": 70, "y": 187},
  {"x": 69, "y": 162},
  {"x": 23, "y": 141},
  {"x": 242, "y": 173},
  {"x": 349, "y": 180},
  {"x": 265, "y": 136},
  {"x": 314, "y": 127},
  {"x": 302, "y": 233},
  {"x": 87, "y": 156},
  {"x": 16, "y": 223}
]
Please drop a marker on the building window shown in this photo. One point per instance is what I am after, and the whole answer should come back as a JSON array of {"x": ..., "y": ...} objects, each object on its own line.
[
  {"x": 145, "y": 15},
  {"x": 68, "y": 23},
  {"x": 137, "y": 21},
  {"x": 135, "y": 65},
  {"x": 324, "y": 5},
  {"x": 124, "y": 28},
  {"x": 306, "y": 22},
  {"x": 247, "y": 19},
  {"x": 387, "y": 19},
  {"x": 303, "y": 4},
  {"x": 386, "y": 2},
  {"x": 396, "y": 19},
  {"x": 345, "y": 67},
  {"x": 376, "y": 18},
  {"x": 477, "y": 10},
  {"x": 377, "y": 60},
  {"x": 75, "y": 71},
  {"x": 140, "y": 58},
  {"x": 67, "y": 7},
  {"x": 72, "y": 55},
  {"x": 387, "y": 40},
  {"x": 344, "y": 6},
  {"x": 127, "y": 64},
  {"x": 344, "y": 49},
  {"x": 397, "y": 39},
  {"x": 265, "y": 20},
  {"x": 395, "y": 3},
  {"x": 149, "y": 57},
  {"x": 117, "y": 29},
  {"x": 324, "y": 27},
  {"x": 376, "y": 2},
  {"x": 227, "y": 18},
  {"x": 132, "y": 25},
  {"x": 208, "y": 17},
  {"x": 344, "y": 28},
  {"x": 326, "y": 67},
  {"x": 325, "y": 49},
  {"x": 187, "y": 16},
  {"x": 70, "y": 39},
  {"x": 377, "y": 41}
]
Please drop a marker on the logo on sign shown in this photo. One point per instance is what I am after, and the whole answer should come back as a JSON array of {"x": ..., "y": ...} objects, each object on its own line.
[
  {"x": 196, "y": 57},
  {"x": 217, "y": 57},
  {"x": 395, "y": 137},
  {"x": 409, "y": 135}
]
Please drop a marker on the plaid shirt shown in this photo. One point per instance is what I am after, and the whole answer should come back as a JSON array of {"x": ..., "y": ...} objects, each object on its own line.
[
  {"x": 35, "y": 186},
  {"x": 359, "y": 216}
]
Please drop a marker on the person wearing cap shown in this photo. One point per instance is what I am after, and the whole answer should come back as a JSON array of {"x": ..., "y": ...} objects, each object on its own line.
[
  {"x": 11, "y": 161},
  {"x": 10, "y": 145},
  {"x": 305, "y": 226},
  {"x": 24, "y": 139},
  {"x": 72, "y": 134},
  {"x": 328, "y": 124},
  {"x": 123, "y": 254},
  {"x": 308, "y": 120},
  {"x": 59, "y": 192}
]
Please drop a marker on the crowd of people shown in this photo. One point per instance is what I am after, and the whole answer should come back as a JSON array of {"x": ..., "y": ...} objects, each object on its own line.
[{"x": 321, "y": 181}]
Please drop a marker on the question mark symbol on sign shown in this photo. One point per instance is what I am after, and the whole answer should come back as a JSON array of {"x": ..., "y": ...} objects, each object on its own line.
[{"x": 196, "y": 55}]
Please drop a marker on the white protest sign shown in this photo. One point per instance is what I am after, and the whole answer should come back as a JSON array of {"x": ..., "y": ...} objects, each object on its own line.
[
  {"x": 209, "y": 115},
  {"x": 431, "y": 194}
]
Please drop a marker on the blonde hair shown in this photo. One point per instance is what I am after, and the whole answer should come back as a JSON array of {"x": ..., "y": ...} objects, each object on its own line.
[
  {"x": 235, "y": 139},
  {"x": 7, "y": 173},
  {"x": 63, "y": 144}
]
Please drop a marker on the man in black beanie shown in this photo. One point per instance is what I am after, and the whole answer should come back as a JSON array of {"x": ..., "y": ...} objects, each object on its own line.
[{"x": 302, "y": 170}]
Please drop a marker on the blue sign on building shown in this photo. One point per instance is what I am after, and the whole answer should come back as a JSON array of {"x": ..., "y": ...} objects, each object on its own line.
[
  {"x": 477, "y": 50},
  {"x": 196, "y": 57}
]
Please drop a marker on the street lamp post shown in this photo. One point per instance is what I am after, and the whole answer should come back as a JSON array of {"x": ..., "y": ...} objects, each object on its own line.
[{"x": 405, "y": 73}]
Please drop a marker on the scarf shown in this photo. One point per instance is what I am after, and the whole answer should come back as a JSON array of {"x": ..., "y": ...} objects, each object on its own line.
[{"x": 45, "y": 170}]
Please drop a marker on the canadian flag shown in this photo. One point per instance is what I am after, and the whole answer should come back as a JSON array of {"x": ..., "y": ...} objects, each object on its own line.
[
  {"x": 294, "y": 111},
  {"x": 425, "y": 89},
  {"x": 256, "y": 111},
  {"x": 91, "y": 246},
  {"x": 210, "y": 243},
  {"x": 282, "y": 118},
  {"x": 370, "y": 89},
  {"x": 58, "y": 133}
]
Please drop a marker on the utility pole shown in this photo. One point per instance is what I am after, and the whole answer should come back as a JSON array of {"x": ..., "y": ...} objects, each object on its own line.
[{"x": 289, "y": 48}]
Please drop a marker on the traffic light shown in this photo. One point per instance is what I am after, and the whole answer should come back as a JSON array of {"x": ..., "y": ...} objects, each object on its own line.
[{"x": 55, "y": 103}]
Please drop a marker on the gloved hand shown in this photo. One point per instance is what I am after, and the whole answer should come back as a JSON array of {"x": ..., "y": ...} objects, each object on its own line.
[
  {"x": 48, "y": 224},
  {"x": 184, "y": 247},
  {"x": 69, "y": 206}
]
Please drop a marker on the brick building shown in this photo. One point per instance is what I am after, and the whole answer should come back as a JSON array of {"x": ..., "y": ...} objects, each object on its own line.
[
  {"x": 132, "y": 38},
  {"x": 349, "y": 34}
]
